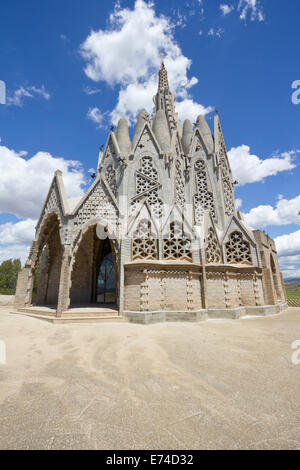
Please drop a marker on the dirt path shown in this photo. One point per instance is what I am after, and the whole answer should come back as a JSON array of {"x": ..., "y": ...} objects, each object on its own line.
[{"x": 211, "y": 385}]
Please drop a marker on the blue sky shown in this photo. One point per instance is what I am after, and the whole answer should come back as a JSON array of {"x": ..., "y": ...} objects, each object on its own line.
[{"x": 73, "y": 67}]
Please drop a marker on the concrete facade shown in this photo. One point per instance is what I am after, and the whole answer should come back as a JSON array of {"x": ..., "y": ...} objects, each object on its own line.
[{"x": 160, "y": 219}]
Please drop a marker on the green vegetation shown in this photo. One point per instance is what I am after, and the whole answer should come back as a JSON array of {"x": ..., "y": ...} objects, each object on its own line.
[
  {"x": 9, "y": 270},
  {"x": 292, "y": 290}
]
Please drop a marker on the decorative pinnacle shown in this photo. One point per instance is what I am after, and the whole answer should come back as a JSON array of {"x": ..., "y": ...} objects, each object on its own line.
[{"x": 163, "y": 83}]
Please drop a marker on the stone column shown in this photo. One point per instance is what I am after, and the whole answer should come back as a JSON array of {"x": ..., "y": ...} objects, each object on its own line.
[
  {"x": 64, "y": 283},
  {"x": 24, "y": 287},
  {"x": 268, "y": 284},
  {"x": 203, "y": 288},
  {"x": 43, "y": 279}
]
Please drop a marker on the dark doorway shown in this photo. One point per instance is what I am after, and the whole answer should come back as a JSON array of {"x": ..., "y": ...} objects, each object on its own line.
[{"x": 106, "y": 276}]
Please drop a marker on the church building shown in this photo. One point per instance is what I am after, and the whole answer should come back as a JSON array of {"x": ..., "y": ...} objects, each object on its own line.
[{"x": 156, "y": 237}]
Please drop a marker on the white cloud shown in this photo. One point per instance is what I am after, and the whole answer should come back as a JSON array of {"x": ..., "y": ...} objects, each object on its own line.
[
  {"x": 226, "y": 9},
  {"x": 188, "y": 109},
  {"x": 286, "y": 212},
  {"x": 17, "y": 98},
  {"x": 95, "y": 115},
  {"x": 251, "y": 7},
  {"x": 288, "y": 244},
  {"x": 288, "y": 248},
  {"x": 24, "y": 182},
  {"x": 15, "y": 239},
  {"x": 238, "y": 203},
  {"x": 290, "y": 266},
  {"x": 127, "y": 54},
  {"x": 19, "y": 232},
  {"x": 248, "y": 168},
  {"x": 14, "y": 251}
]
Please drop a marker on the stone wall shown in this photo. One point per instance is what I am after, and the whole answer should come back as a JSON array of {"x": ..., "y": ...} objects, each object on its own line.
[
  {"x": 55, "y": 259},
  {"x": 157, "y": 287},
  {"x": 233, "y": 286},
  {"x": 273, "y": 282},
  {"x": 82, "y": 272}
]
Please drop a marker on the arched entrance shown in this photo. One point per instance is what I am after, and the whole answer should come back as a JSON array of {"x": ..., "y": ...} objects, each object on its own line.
[
  {"x": 94, "y": 278},
  {"x": 105, "y": 288},
  {"x": 48, "y": 264}
]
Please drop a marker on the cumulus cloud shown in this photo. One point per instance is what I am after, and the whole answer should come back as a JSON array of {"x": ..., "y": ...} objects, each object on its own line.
[
  {"x": 127, "y": 55},
  {"x": 248, "y": 168},
  {"x": 14, "y": 251},
  {"x": 288, "y": 248},
  {"x": 288, "y": 244},
  {"x": 17, "y": 98},
  {"x": 290, "y": 266},
  {"x": 15, "y": 239},
  {"x": 24, "y": 182},
  {"x": 19, "y": 232},
  {"x": 285, "y": 212},
  {"x": 251, "y": 8},
  {"x": 188, "y": 109}
]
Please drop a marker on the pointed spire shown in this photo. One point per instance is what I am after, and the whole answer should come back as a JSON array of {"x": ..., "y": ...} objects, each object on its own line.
[
  {"x": 161, "y": 130},
  {"x": 163, "y": 83},
  {"x": 122, "y": 134},
  {"x": 142, "y": 118},
  {"x": 219, "y": 139},
  {"x": 187, "y": 136},
  {"x": 205, "y": 133}
]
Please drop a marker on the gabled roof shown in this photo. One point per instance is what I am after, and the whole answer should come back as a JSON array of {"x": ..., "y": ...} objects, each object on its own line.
[
  {"x": 57, "y": 187},
  {"x": 148, "y": 128}
]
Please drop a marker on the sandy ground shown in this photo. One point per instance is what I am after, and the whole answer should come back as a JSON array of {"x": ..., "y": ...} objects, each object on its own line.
[{"x": 210, "y": 385}]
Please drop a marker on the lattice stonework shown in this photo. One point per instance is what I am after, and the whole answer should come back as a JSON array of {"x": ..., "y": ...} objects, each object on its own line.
[
  {"x": 110, "y": 176},
  {"x": 53, "y": 204},
  {"x": 226, "y": 178},
  {"x": 238, "y": 250},
  {"x": 203, "y": 198},
  {"x": 98, "y": 204},
  {"x": 177, "y": 245},
  {"x": 147, "y": 185},
  {"x": 110, "y": 151},
  {"x": 228, "y": 197},
  {"x": 212, "y": 248},
  {"x": 144, "y": 242},
  {"x": 179, "y": 185}
]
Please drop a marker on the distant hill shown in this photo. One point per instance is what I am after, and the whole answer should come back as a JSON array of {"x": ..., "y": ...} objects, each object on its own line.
[{"x": 292, "y": 279}]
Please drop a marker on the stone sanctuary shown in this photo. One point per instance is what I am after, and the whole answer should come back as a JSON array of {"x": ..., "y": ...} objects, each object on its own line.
[{"x": 156, "y": 237}]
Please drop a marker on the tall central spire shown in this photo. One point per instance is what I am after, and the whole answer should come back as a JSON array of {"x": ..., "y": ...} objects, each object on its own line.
[
  {"x": 163, "y": 83},
  {"x": 165, "y": 118}
]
